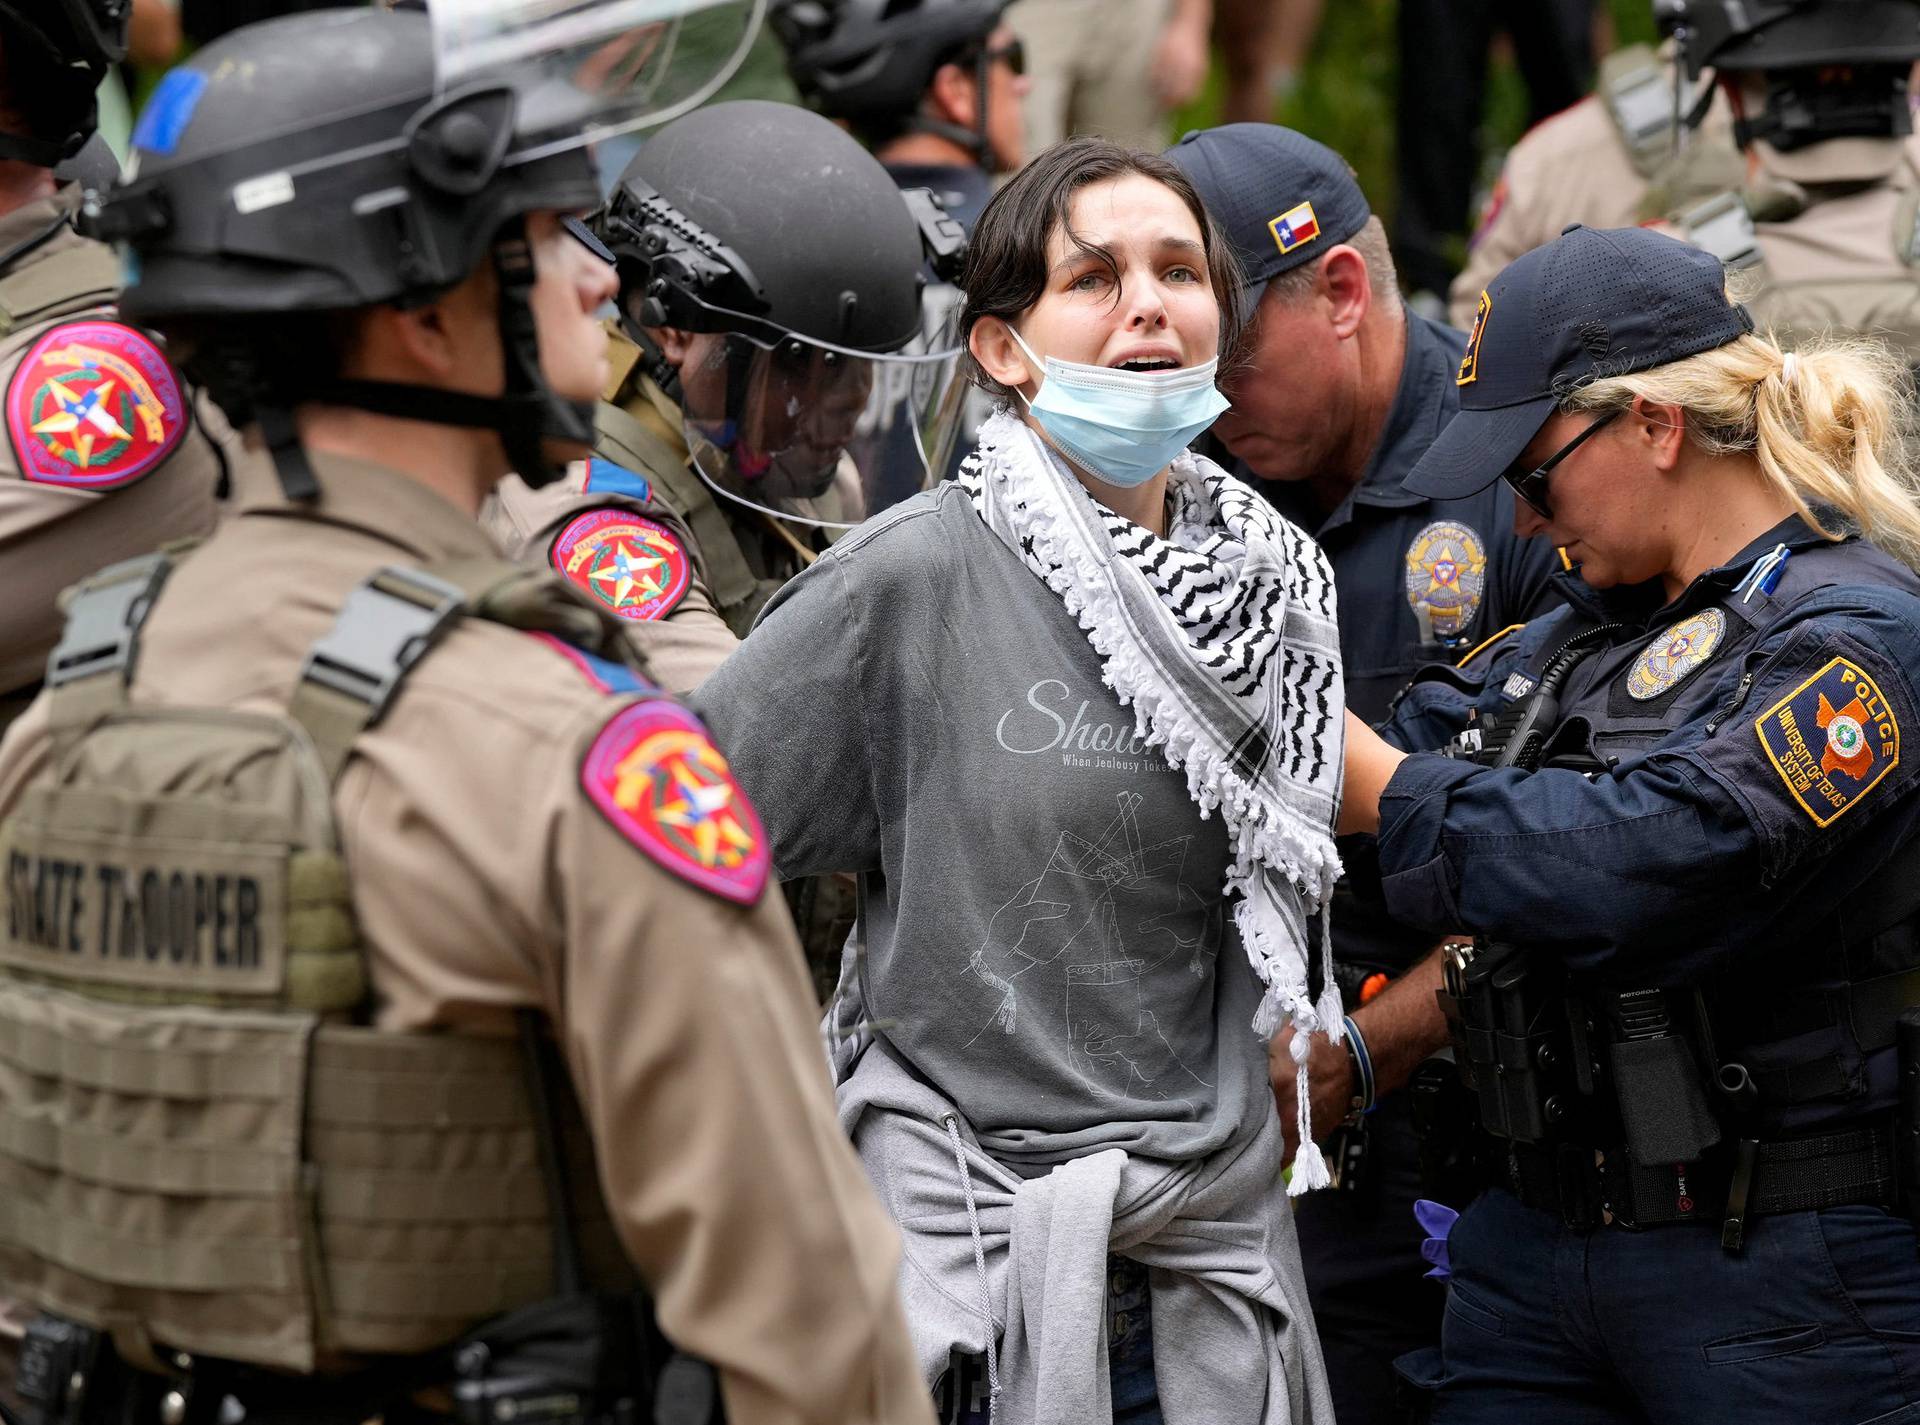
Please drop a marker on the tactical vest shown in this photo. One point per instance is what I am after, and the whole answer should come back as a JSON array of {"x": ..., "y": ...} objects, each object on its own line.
[
  {"x": 738, "y": 593},
  {"x": 202, "y": 1146},
  {"x": 1882, "y": 300},
  {"x": 1805, "y": 1025}
]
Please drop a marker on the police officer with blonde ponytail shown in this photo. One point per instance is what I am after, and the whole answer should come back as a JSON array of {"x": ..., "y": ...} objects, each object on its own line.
[{"x": 1677, "y": 843}]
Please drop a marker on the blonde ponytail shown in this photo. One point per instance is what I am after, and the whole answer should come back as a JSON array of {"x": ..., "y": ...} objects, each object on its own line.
[{"x": 1826, "y": 425}]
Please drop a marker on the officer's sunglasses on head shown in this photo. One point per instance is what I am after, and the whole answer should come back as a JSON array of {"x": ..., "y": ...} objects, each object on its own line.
[{"x": 1531, "y": 485}]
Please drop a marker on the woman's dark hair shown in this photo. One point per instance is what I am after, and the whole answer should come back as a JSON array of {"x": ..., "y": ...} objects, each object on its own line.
[{"x": 1006, "y": 268}]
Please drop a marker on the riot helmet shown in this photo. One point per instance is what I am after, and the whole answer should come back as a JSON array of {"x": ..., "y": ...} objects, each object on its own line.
[
  {"x": 56, "y": 53},
  {"x": 334, "y": 160},
  {"x": 1831, "y": 68},
  {"x": 870, "y": 62},
  {"x": 772, "y": 273}
]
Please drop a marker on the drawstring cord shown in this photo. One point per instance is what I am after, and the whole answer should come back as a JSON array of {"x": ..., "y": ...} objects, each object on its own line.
[{"x": 980, "y": 1263}]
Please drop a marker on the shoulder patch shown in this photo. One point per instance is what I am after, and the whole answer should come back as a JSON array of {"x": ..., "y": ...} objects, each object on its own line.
[
  {"x": 1674, "y": 653},
  {"x": 653, "y": 772},
  {"x": 93, "y": 405},
  {"x": 1832, "y": 740},
  {"x": 1446, "y": 575},
  {"x": 632, "y": 565}
]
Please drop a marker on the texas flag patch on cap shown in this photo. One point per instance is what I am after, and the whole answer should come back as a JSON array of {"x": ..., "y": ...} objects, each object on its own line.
[{"x": 1295, "y": 227}]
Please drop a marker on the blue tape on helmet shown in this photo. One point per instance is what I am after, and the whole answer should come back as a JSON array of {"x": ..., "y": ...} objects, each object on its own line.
[{"x": 164, "y": 121}]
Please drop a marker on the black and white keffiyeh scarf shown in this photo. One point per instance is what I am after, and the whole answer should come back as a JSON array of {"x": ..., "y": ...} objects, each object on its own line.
[{"x": 1221, "y": 638}]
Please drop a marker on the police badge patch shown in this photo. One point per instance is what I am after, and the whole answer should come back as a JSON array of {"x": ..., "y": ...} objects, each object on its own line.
[
  {"x": 1446, "y": 575},
  {"x": 653, "y": 773},
  {"x": 631, "y": 565},
  {"x": 94, "y": 405},
  {"x": 1832, "y": 740},
  {"x": 1675, "y": 653}
]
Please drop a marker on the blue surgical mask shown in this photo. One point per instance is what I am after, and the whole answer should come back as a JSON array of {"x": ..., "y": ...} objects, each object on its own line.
[{"x": 1123, "y": 426}]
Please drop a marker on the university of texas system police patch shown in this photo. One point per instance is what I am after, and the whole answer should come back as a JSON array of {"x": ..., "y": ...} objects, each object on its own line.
[
  {"x": 93, "y": 405},
  {"x": 631, "y": 565},
  {"x": 653, "y": 773},
  {"x": 1832, "y": 740}
]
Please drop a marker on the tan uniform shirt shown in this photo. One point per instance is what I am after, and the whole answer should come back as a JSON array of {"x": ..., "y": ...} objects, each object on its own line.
[
  {"x": 52, "y": 535},
  {"x": 485, "y": 880},
  {"x": 1836, "y": 228},
  {"x": 1575, "y": 167}
]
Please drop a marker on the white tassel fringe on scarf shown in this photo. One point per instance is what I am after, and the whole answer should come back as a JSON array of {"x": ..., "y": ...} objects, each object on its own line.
[{"x": 1222, "y": 640}]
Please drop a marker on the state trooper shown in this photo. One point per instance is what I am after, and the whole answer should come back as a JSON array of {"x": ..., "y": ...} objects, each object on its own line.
[
  {"x": 390, "y": 972},
  {"x": 760, "y": 399},
  {"x": 1790, "y": 156},
  {"x": 104, "y": 456},
  {"x": 1343, "y": 391},
  {"x": 771, "y": 387}
]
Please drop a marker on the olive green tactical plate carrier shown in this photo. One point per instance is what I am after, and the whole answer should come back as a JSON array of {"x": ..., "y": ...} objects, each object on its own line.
[{"x": 200, "y": 1148}]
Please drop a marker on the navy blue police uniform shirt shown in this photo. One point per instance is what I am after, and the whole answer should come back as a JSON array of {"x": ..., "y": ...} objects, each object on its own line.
[
  {"x": 1394, "y": 552},
  {"x": 1732, "y": 780}
]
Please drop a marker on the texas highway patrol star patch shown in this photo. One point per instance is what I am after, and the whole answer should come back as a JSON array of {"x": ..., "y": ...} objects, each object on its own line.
[
  {"x": 1446, "y": 575},
  {"x": 1832, "y": 739},
  {"x": 627, "y": 562},
  {"x": 93, "y": 406},
  {"x": 655, "y": 775},
  {"x": 1674, "y": 653}
]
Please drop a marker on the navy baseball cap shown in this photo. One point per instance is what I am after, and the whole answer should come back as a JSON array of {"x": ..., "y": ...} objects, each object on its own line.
[
  {"x": 1593, "y": 303},
  {"x": 1280, "y": 198}
]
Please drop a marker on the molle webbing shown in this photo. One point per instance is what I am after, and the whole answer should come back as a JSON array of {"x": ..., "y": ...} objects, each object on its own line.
[
  {"x": 160, "y": 1175},
  {"x": 197, "y": 1150}
]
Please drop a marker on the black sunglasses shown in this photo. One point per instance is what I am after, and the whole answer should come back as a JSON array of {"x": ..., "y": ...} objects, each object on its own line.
[
  {"x": 1531, "y": 485},
  {"x": 1013, "y": 53}
]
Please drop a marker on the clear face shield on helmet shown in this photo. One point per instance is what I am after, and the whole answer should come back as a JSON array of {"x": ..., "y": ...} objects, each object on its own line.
[
  {"x": 588, "y": 70},
  {"x": 812, "y": 433}
]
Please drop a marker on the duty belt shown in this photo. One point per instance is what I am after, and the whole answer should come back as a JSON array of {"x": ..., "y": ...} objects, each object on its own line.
[{"x": 1732, "y": 1185}]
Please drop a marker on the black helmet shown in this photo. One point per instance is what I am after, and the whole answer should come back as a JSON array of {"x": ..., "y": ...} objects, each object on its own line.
[
  {"x": 873, "y": 59},
  {"x": 57, "y": 52},
  {"x": 339, "y": 159},
  {"x": 1797, "y": 44},
  {"x": 768, "y": 228}
]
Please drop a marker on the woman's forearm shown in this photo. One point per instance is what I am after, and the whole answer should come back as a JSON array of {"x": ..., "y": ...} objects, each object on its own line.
[{"x": 1370, "y": 765}]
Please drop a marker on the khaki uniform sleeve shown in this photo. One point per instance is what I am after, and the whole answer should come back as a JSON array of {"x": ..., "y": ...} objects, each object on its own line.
[
  {"x": 683, "y": 648},
  {"x": 691, "y": 1029},
  {"x": 1571, "y": 168},
  {"x": 486, "y": 879},
  {"x": 52, "y": 536}
]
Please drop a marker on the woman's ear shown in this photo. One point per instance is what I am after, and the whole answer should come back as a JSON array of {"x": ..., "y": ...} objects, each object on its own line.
[
  {"x": 992, "y": 344},
  {"x": 1663, "y": 429}
]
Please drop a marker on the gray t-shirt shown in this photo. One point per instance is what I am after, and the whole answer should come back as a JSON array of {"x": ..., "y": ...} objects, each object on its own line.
[{"x": 1047, "y": 941}]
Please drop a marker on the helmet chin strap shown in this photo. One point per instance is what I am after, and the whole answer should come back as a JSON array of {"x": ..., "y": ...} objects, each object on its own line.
[
  {"x": 973, "y": 140},
  {"x": 41, "y": 153},
  {"x": 526, "y": 415}
]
